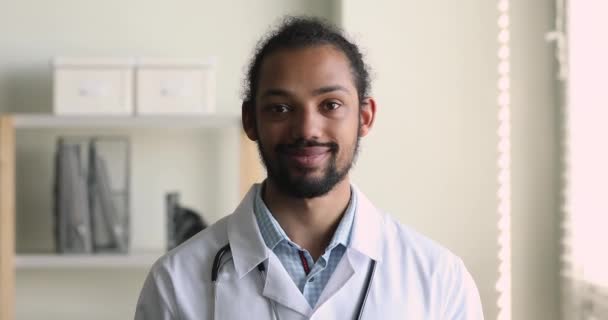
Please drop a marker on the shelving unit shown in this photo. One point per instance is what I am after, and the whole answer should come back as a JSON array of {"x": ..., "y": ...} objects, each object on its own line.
[
  {"x": 53, "y": 261},
  {"x": 50, "y": 121},
  {"x": 10, "y": 261},
  {"x": 7, "y": 218}
]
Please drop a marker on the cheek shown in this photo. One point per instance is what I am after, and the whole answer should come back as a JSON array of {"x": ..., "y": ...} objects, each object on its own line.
[
  {"x": 268, "y": 139},
  {"x": 348, "y": 140},
  {"x": 348, "y": 129},
  {"x": 263, "y": 129}
]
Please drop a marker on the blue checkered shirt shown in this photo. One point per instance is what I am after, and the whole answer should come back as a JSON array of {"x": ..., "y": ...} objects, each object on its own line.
[{"x": 289, "y": 252}]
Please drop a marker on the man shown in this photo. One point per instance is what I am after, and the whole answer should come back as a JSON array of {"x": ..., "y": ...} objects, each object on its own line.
[{"x": 306, "y": 243}]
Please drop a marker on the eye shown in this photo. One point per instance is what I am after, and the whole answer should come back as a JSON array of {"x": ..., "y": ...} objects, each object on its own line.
[
  {"x": 279, "y": 108},
  {"x": 332, "y": 105}
]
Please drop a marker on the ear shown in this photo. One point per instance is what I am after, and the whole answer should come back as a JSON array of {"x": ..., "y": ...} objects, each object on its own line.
[
  {"x": 368, "y": 115},
  {"x": 248, "y": 119}
]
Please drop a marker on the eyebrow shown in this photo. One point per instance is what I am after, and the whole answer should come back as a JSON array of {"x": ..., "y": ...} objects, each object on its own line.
[
  {"x": 328, "y": 89},
  {"x": 276, "y": 92},
  {"x": 316, "y": 92}
]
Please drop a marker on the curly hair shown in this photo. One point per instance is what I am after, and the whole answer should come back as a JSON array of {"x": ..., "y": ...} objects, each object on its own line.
[{"x": 301, "y": 32}]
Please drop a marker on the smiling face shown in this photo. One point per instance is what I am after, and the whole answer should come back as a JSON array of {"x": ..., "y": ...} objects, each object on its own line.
[{"x": 307, "y": 119}]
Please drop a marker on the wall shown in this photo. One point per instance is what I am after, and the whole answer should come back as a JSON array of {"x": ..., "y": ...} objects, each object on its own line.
[
  {"x": 32, "y": 32},
  {"x": 431, "y": 158}
]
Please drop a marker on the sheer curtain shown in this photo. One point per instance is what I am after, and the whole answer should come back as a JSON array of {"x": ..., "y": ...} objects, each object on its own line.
[{"x": 585, "y": 223}]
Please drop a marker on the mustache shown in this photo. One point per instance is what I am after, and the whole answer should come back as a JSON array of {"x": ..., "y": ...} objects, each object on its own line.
[{"x": 303, "y": 143}]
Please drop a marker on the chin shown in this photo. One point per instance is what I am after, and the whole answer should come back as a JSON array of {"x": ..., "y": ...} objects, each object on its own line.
[{"x": 309, "y": 187}]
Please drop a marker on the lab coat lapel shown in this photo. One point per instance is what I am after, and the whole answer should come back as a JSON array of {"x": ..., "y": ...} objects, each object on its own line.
[
  {"x": 346, "y": 288},
  {"x": 249, "y": 250},
  {"x": 347, "y": 285},
  {"x": 343, "y": 273},
  {"x": 246, "y": 242},
  {"x": 280, "y": 287},
  {"x": 367, "y": 227}
]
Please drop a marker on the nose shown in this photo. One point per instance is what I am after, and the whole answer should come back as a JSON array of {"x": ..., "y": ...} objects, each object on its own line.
[{"x": 306, "y": 124}]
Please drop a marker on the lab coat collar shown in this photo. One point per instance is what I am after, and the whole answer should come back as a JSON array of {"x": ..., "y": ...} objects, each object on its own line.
[
  {"x": 249, "y": 250},
  {"x": 367, "y": 228},
  {"x": 246, "y": 242}
]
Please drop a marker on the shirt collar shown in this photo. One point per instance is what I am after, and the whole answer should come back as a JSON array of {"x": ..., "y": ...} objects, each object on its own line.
[
  {"x": 249, "y": 248},
  {"x": 273, "y": 234},
  {"x": 271, "y": 231}
]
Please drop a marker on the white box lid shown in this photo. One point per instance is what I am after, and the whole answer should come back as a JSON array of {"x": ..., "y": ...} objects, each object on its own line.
[
  {"x": 92, "y": 62},
  {"x": 177, "y": 62}
]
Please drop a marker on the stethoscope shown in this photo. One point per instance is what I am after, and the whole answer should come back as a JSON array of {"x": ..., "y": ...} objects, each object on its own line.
[{"x": 218, "y": 264}]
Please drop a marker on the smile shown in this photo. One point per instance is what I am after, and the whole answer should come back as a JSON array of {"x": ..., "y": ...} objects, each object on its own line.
[{"x": 308, "y": 157}]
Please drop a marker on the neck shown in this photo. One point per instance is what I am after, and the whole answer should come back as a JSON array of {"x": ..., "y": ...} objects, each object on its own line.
[{"x": 310, "y": 223}]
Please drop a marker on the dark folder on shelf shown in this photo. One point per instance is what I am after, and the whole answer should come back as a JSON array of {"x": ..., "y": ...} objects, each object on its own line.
[
  {"x": 72, "y": 226},
  {"x": 108, "y": 231}
]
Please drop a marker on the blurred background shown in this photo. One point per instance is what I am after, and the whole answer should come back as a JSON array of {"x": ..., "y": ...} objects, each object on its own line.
[{"x": 489, "y": 138}]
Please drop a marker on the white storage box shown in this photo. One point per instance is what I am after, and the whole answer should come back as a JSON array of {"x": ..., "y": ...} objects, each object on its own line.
[
  {"x": 175, "y": 87},
  {"x": 85, "y": 86}
]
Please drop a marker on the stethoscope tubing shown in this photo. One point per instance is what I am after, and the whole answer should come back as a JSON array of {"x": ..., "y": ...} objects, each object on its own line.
[
  {"x": 370, "y": 277},
  {"x": 215, "y": 269}
]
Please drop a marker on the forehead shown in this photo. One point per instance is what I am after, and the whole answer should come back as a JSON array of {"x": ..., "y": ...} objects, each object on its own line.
[{"x": 306, "y": 69}]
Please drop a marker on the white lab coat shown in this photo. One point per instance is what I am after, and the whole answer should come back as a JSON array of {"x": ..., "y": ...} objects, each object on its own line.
[{"x": 414, "y": 279}]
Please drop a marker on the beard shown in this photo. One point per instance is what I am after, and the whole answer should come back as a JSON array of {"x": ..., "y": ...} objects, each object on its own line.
[{"x": 304, "y": 187}]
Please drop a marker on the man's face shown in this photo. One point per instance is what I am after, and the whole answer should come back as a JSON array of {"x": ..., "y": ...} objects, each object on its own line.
[{"x": 307, "y": 119}]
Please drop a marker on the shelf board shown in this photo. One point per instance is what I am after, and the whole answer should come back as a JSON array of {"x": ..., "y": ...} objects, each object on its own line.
[
  {"x": 35, "y": 120},
  {"x": 80, "y": 261}
]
